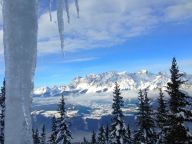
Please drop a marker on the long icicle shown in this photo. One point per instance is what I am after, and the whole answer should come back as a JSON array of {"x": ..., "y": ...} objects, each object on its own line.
[
  {"x": 60, "y": 20},
  {"x": 61, "y": 4},
  {"x": 77, "y": 7},
  {"x": 50, "y": 6},
  {"x": 67, "y": 10}
]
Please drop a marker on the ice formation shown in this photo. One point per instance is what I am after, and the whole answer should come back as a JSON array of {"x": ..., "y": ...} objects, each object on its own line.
[
  {"x": 61, "y": 6},
  {"x": 50, "y": 6},
  {"x": 20, "y": 49}
]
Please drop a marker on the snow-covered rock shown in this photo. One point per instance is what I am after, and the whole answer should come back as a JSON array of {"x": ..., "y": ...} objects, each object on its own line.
[{"x": 104, "y": 82}]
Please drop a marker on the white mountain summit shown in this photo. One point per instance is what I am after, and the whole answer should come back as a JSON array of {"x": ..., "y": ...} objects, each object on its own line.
[{"x": 104, "y": 82}]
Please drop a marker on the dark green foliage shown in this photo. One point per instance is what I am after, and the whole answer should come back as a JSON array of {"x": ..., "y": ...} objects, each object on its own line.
[
  {"x": 161, "y": 118},
  {"x": 85, "y": 141},
  {"x": 2, "y": 114},
  {"x": 128, "y": 135},
  {"x": 139, "y": 136},
  {"x": 146, "y": 132},
  {"x": 107, "y": 134},
  {"x": 36, "y": 137},
  {"x": 101, "y": 136},
  {"x": 64, "y": 134},
  {"x": 179, "y": 103},
  {"x": 43, "y": 136},
  {"x": 93, "y": 138},
  {"x": 53, "y": 136}
]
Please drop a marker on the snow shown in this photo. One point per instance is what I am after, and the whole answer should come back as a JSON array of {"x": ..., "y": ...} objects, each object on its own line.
[
  {"x": 20, "y": 47},
  {"x": 104, "y": 82},
  {"x": 99, "y": 103}
]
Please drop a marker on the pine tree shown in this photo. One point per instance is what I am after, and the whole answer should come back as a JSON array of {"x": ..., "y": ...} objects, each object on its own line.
[
  {"x": 177, "y": 131},
  {"x": 118, "y": 130},
  {"x": 33, "y": 135},
  {"x": 146, "y": 132},
  {"x": 43, "y": 135},
  {"x": 149, "y": 125},
  {"x": 161, "y": 118},
  {"x": 139, "y": 135},
  {"x": 64, "y": 134},
  {"x": 93, "y": 138},
  {"x": 85, "y": 141},
  {"x": 53, "y": 136},
  {"x": 2, "y": 114},
  {"x": 128, "y": 133},
  {"x": 107, "y": 134},
  {"x": 101, "y": 136},
  {"x": 36, "y": 137}
]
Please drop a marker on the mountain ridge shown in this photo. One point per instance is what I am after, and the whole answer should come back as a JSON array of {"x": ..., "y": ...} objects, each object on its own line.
[{"x": 104, "y": 82}]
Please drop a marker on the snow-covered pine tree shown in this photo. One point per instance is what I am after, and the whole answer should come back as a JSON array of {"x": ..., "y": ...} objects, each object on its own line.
[
  {"x": 53, "y": 136},
  {"x": 139, "y": 135},
  {"x": 118, "y": 128},
  {"x": 2, "y": 114},
  {"x": 63, "y": 132},
  {"x": 43, "y": 136},
  {"x": 161, "y": 117},
  {"x": 149, "y": 124},
  {"x": 93, "y": 138},
  {"x": 101, "y": 136},
  {"x": 146, "y": 133},
  {"x": 179, "y": 105},
  {"x": 107, "y": 134}
]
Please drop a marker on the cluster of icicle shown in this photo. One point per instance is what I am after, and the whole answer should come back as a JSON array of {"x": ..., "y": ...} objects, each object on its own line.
[{"x": 62, "y": 5}]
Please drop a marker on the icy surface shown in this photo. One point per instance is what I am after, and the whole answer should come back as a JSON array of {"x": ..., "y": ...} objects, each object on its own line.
[{"x": 20, "y": 47}]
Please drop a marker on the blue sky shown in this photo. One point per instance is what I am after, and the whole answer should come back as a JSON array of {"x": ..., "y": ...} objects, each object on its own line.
[{"x": 113, "y": 35}]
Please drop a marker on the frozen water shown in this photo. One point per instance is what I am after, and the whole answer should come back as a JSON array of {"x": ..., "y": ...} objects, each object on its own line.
[{"x": 20, "y": 47}]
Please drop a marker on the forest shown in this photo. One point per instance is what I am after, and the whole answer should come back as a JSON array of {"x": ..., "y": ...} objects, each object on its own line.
[{"x": 168, "y": 124}]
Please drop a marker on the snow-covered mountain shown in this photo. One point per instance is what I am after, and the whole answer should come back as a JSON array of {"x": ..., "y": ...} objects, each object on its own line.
[
  {"x": 104, "y": 82},
  {"x": 89, "y": 98}
]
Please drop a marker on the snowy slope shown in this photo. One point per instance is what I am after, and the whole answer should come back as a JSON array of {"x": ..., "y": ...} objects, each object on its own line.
[{"x": 104, "y": 82}]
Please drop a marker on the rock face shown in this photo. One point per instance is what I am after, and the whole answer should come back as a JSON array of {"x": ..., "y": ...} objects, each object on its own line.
[{"x": 104, "y": 82}]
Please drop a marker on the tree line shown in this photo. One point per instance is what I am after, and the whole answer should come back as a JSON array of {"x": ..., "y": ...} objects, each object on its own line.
[{"x": 167, "y": 124}]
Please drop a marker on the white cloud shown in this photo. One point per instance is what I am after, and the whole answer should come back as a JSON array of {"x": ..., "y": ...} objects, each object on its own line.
[
  {"x": 104, "y": 23},
  {"x": 83, "y": 59}
]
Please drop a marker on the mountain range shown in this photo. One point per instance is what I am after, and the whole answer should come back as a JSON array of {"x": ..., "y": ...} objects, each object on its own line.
[
  {"x": 104, "y": 82},
  {"x": 89, "y": 98}
]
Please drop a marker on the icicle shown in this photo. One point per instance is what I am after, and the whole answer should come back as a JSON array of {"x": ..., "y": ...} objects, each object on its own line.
[
  {"x": 60, "y": 17},
  {"x": 50, "y": 15},
  {"x": 67, "y": 10},
  {"x": 77, "y": 7},
  {"x": 60, "y": 20},
  {"x": 1, "y": 2}
]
